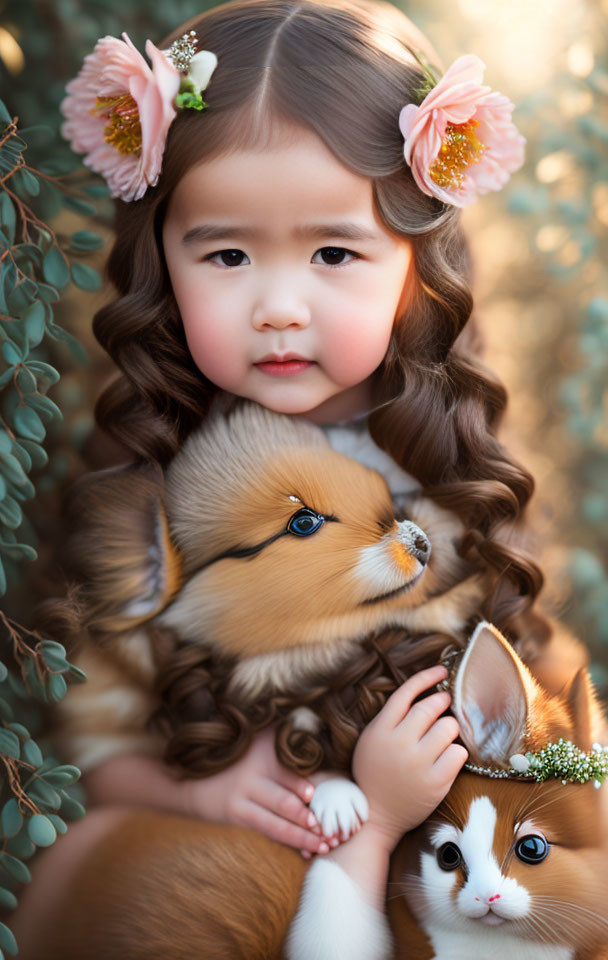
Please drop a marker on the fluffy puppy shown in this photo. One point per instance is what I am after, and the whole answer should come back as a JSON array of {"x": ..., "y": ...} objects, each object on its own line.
[{"x": 268, "y": 553}]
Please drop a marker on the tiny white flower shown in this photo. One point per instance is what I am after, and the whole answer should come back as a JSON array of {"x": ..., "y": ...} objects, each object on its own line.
[
  {"x": 201, "y": 68},
  {"x": 519, "y": 763}
]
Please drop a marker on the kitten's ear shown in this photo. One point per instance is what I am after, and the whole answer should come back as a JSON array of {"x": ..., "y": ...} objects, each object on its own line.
[
  {"x": 584, "y": 709},
  {"x": 122, "y": 551},
  {"x": 493, "y": 693}
]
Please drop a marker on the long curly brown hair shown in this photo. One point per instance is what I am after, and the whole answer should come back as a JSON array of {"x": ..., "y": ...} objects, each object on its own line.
[{"x": 343, "y": 69}]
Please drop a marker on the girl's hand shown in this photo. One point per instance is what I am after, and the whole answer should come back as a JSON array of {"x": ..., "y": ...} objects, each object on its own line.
[
  {"x": 258, "y": 792},
  {"x": 405, "y": 760}
]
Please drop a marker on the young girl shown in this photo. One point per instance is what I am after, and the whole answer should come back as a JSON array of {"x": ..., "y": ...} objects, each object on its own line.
[{"x": 295, "y": 239}]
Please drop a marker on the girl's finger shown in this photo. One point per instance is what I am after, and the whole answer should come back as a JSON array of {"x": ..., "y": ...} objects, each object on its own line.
[
  {"x": 424, "y": 714},
  {"x": 276, "y": 828},
  {"x": 440, "y": 735},
  {"x": 302, "y": 787},
  {"x": 398, "y": 704},
  {"x": 282, "y": 802},
  {"x": 449, "y": 764}
]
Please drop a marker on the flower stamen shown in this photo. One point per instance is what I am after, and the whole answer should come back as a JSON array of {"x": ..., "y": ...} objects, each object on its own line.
[
  {"x": 124, "y": 128},
  {"x": 459, "y": 148}
]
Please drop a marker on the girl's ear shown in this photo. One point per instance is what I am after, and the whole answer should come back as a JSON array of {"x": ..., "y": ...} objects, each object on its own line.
[
  {"x": 493, "y": 693},
  {"x": 122, "y": 551}
]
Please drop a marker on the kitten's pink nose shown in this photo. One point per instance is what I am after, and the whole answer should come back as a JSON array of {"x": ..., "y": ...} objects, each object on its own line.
[{"x": 491, "y": 899}]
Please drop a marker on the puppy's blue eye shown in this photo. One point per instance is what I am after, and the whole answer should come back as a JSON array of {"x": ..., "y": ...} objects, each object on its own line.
[
  {"x": 531, "y": 849},
  {"x": 304, "y": 522}
]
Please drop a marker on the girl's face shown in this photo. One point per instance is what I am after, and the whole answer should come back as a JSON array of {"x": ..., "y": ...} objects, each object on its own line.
[{"x": 286, "y": 279}]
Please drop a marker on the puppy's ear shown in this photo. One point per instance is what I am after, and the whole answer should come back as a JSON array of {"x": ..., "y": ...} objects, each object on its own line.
[{"x": 121, "y": 550}]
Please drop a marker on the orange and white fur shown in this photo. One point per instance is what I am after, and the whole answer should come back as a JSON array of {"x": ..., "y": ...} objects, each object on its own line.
[
  {"x": 290, "y": 614},
  {"x": 487, "y": 902},
  {"x": 157, "y": 886}
]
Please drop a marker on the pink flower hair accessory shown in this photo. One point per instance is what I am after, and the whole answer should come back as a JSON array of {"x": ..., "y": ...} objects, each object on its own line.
[
  {"x": 118, "y": 109},
  {"x": 460, "y": 141}
]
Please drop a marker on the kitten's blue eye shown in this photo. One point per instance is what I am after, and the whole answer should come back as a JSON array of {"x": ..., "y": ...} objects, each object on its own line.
[
  {"x": 449, "y": 856},
  {"x": 304, "y": 522},
  {"x": 531, "y": 849}
]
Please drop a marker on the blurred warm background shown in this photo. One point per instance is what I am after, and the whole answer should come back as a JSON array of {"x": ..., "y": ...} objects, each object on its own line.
[{"x": 541, "y": 278}]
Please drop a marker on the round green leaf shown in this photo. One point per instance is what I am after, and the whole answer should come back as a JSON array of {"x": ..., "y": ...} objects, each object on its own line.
[
  {"x": 58, "y": 823},
  {"x": 7, "y": 940},
  {"x": 10, "y": 513},
  {"x": 72, "y": 809},
  {"x": 11, "y": 818},
  {"x": 54, "y": 660},
  {"x": 55, "y": 268},
  {"x": 30, "y": 183},
  {"x": 9, "y": 744},
  {"x": 86, "y": 277},
  {"x": 34, "y": 318},
  {"x": 22, "y": 456},
  {"x": 44, "y": 370},
  {"x": 3, "y": 672},
  {"x": 57, "y": 687},
  {"x": 37, "y": 453},
  {"x": 41, "y": 831},
  {"x": 12, "y": 469},
  {"x": 86, "y": 240},
  {"x": 6, "y": 443},
  {"x": 44, "y": 794},
  {"x": 77, "y": 674},
  {"x": 16, "y": 868},
  {"x": 8, "y": 216},
  {"x": 80, "y": 206},
  {"x": 21, "y": 731},
  {"x": 11, "y": 354},
  {"x": 8, "y": 900},
  {"x": 32, "y": 753},
  {"x": 28, "y": 424}
]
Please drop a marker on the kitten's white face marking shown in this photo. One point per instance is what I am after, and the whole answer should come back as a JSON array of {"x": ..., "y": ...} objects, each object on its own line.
[{"x": 488, "y": 897}]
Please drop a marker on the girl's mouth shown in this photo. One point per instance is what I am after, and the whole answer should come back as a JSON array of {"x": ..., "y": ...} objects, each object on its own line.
[{"x": 283, "y": 368}]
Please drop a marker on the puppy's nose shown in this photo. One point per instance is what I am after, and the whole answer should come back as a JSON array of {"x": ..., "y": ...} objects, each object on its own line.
[{"x": 415, "y": 540}]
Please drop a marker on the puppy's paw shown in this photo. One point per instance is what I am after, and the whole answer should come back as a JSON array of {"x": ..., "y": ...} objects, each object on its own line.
[{"x": 340, "y": 807}]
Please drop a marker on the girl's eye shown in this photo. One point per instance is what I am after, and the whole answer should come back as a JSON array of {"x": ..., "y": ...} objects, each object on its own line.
[
  {"x": 304, "y": 522},
  {"x": 229, "y": 258},
  {"x": 531, "y": 849},
  {"x": 334, "y": 256},
  {"x": 449, "y": 856}
]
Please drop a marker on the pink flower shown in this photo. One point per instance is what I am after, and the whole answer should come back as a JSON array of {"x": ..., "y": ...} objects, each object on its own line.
[
  {"x": 118, "y": 112},
  {"x": 461, "y": 141}
]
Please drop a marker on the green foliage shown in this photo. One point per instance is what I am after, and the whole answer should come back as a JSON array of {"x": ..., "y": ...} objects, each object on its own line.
[
  {"x": 37, "y": 793},
  {"x": 36, "y": 264}
]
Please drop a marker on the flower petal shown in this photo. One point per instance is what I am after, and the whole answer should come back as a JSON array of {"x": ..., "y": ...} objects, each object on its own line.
[{"x": 459, "y": 98}]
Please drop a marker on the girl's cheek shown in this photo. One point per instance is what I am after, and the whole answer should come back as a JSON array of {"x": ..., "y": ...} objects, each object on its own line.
[{"x": 355, "y": 346}]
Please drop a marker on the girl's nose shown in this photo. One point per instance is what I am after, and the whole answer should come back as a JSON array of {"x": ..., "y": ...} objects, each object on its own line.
[{"x": 279, "y": 310}]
